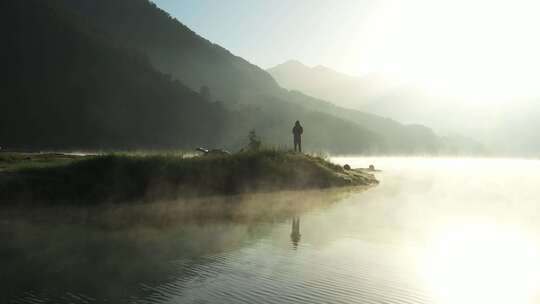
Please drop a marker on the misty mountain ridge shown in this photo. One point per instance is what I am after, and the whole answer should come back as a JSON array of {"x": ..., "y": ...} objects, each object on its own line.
[
  {"x": 371, "y": 93},
  {"x": 247, "y": 86},
  {"x": 119, "y": 115},
  {"x": 505, "y": 130},
  {"x": 325, "y": 83},
  {"x": 375, "y": 95}
]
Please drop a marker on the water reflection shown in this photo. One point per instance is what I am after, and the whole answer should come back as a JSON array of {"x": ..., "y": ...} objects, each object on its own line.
[
  {"x": 481, "y": 262},
  {"x": 434, "y": 231},
  {"x": 295, "y": 232},
  {"x": 136, "y": 254}
]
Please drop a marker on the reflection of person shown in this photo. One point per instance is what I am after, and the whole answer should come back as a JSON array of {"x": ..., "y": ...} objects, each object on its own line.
[
  {"x": 295, "y": 233},
  {"x": 297, "y": 132}
]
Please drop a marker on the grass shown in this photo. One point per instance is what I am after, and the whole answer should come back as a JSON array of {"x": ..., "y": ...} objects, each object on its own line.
[
  {"x": 125, "y": 177},
  {"x": 10, "y": 162}
]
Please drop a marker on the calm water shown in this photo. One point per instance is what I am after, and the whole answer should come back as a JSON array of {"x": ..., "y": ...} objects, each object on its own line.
[{"x": 434, "y": 231}]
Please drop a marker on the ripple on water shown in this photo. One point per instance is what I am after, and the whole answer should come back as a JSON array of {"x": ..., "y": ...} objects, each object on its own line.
[
  {"x": 353, "y": 251},
  {"x": 264, "y": 273}
]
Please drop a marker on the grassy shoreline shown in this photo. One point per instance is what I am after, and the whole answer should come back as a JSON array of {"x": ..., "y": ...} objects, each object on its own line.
[{"x": 123, "y": 177}]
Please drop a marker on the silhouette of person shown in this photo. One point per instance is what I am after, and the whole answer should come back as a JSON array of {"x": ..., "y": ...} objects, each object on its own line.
[
  {"x": 297, "y": 132},
  {"x": 295, "y": 232}
]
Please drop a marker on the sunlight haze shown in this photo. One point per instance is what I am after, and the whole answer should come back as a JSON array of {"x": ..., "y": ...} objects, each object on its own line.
[
  {"x": 270, "y": 152},
  {"x": 483, "y": 50},
  {"x": 477, "y": 52}
]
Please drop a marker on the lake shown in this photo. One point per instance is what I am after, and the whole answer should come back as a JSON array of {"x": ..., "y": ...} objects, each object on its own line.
[{"x": 436, "y": 230}]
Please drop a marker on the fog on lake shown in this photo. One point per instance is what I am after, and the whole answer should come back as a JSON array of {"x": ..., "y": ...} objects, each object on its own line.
[{"x": 435, "y": 230}]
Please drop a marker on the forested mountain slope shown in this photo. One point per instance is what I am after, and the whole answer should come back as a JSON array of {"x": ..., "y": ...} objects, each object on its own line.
[
  {"x": 70, "y": 88},
  {"x": 173, "y": 48},
  {"x": 251, "y": 92}
]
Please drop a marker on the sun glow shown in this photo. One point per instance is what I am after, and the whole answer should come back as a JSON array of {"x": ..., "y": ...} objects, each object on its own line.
[
  {"x": 482, "y": 263},
  {"x": 482, "y": 50}
]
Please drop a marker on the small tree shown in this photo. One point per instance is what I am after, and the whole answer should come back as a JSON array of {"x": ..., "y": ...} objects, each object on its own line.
[
  {"x": 205, "y": 93},
  {"x": 254, "y": 141}
]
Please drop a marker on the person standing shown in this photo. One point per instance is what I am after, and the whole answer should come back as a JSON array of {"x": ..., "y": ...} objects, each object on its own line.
[{"x": 297, "y": 132}]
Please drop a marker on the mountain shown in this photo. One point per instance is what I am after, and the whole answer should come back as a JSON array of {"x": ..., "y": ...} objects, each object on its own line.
[
  {"x": 68, "y": 86},
  {"x": 325, "y": 83},
  {"x": 175, "y": 49},
  {"x": 370, "y": 93},
  {"x": 71, "y": 85},
  {"x": 254, "y": 97},
  {"x": 491, "y": 128},
  {"x": 355, "y": 97},
  {"x": 405, "y": 139},
  {"x": 123, "y": 74}
]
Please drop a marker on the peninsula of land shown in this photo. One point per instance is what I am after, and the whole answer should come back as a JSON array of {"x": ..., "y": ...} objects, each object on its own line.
[{"x": 56, "y": 179}]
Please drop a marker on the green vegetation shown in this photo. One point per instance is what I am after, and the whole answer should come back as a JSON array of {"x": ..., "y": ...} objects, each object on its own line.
[
  {"x": 12, "y": 162},
  {"x": 254, "y": 141},
  {"x": 126, "y": 177}
]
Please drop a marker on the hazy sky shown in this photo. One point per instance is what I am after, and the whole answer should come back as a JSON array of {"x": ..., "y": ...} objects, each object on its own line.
[
  {"x": 270, "y": 32},
  {"x": 477, "y": 50}
]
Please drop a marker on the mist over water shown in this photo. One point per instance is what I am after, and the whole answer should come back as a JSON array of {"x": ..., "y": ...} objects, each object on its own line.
[{"x": 434, "y": 231}]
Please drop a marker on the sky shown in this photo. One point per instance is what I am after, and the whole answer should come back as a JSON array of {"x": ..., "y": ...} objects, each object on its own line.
[
  {"x": 270, "y": 32},
  {"x": 481, "y": 50}
]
